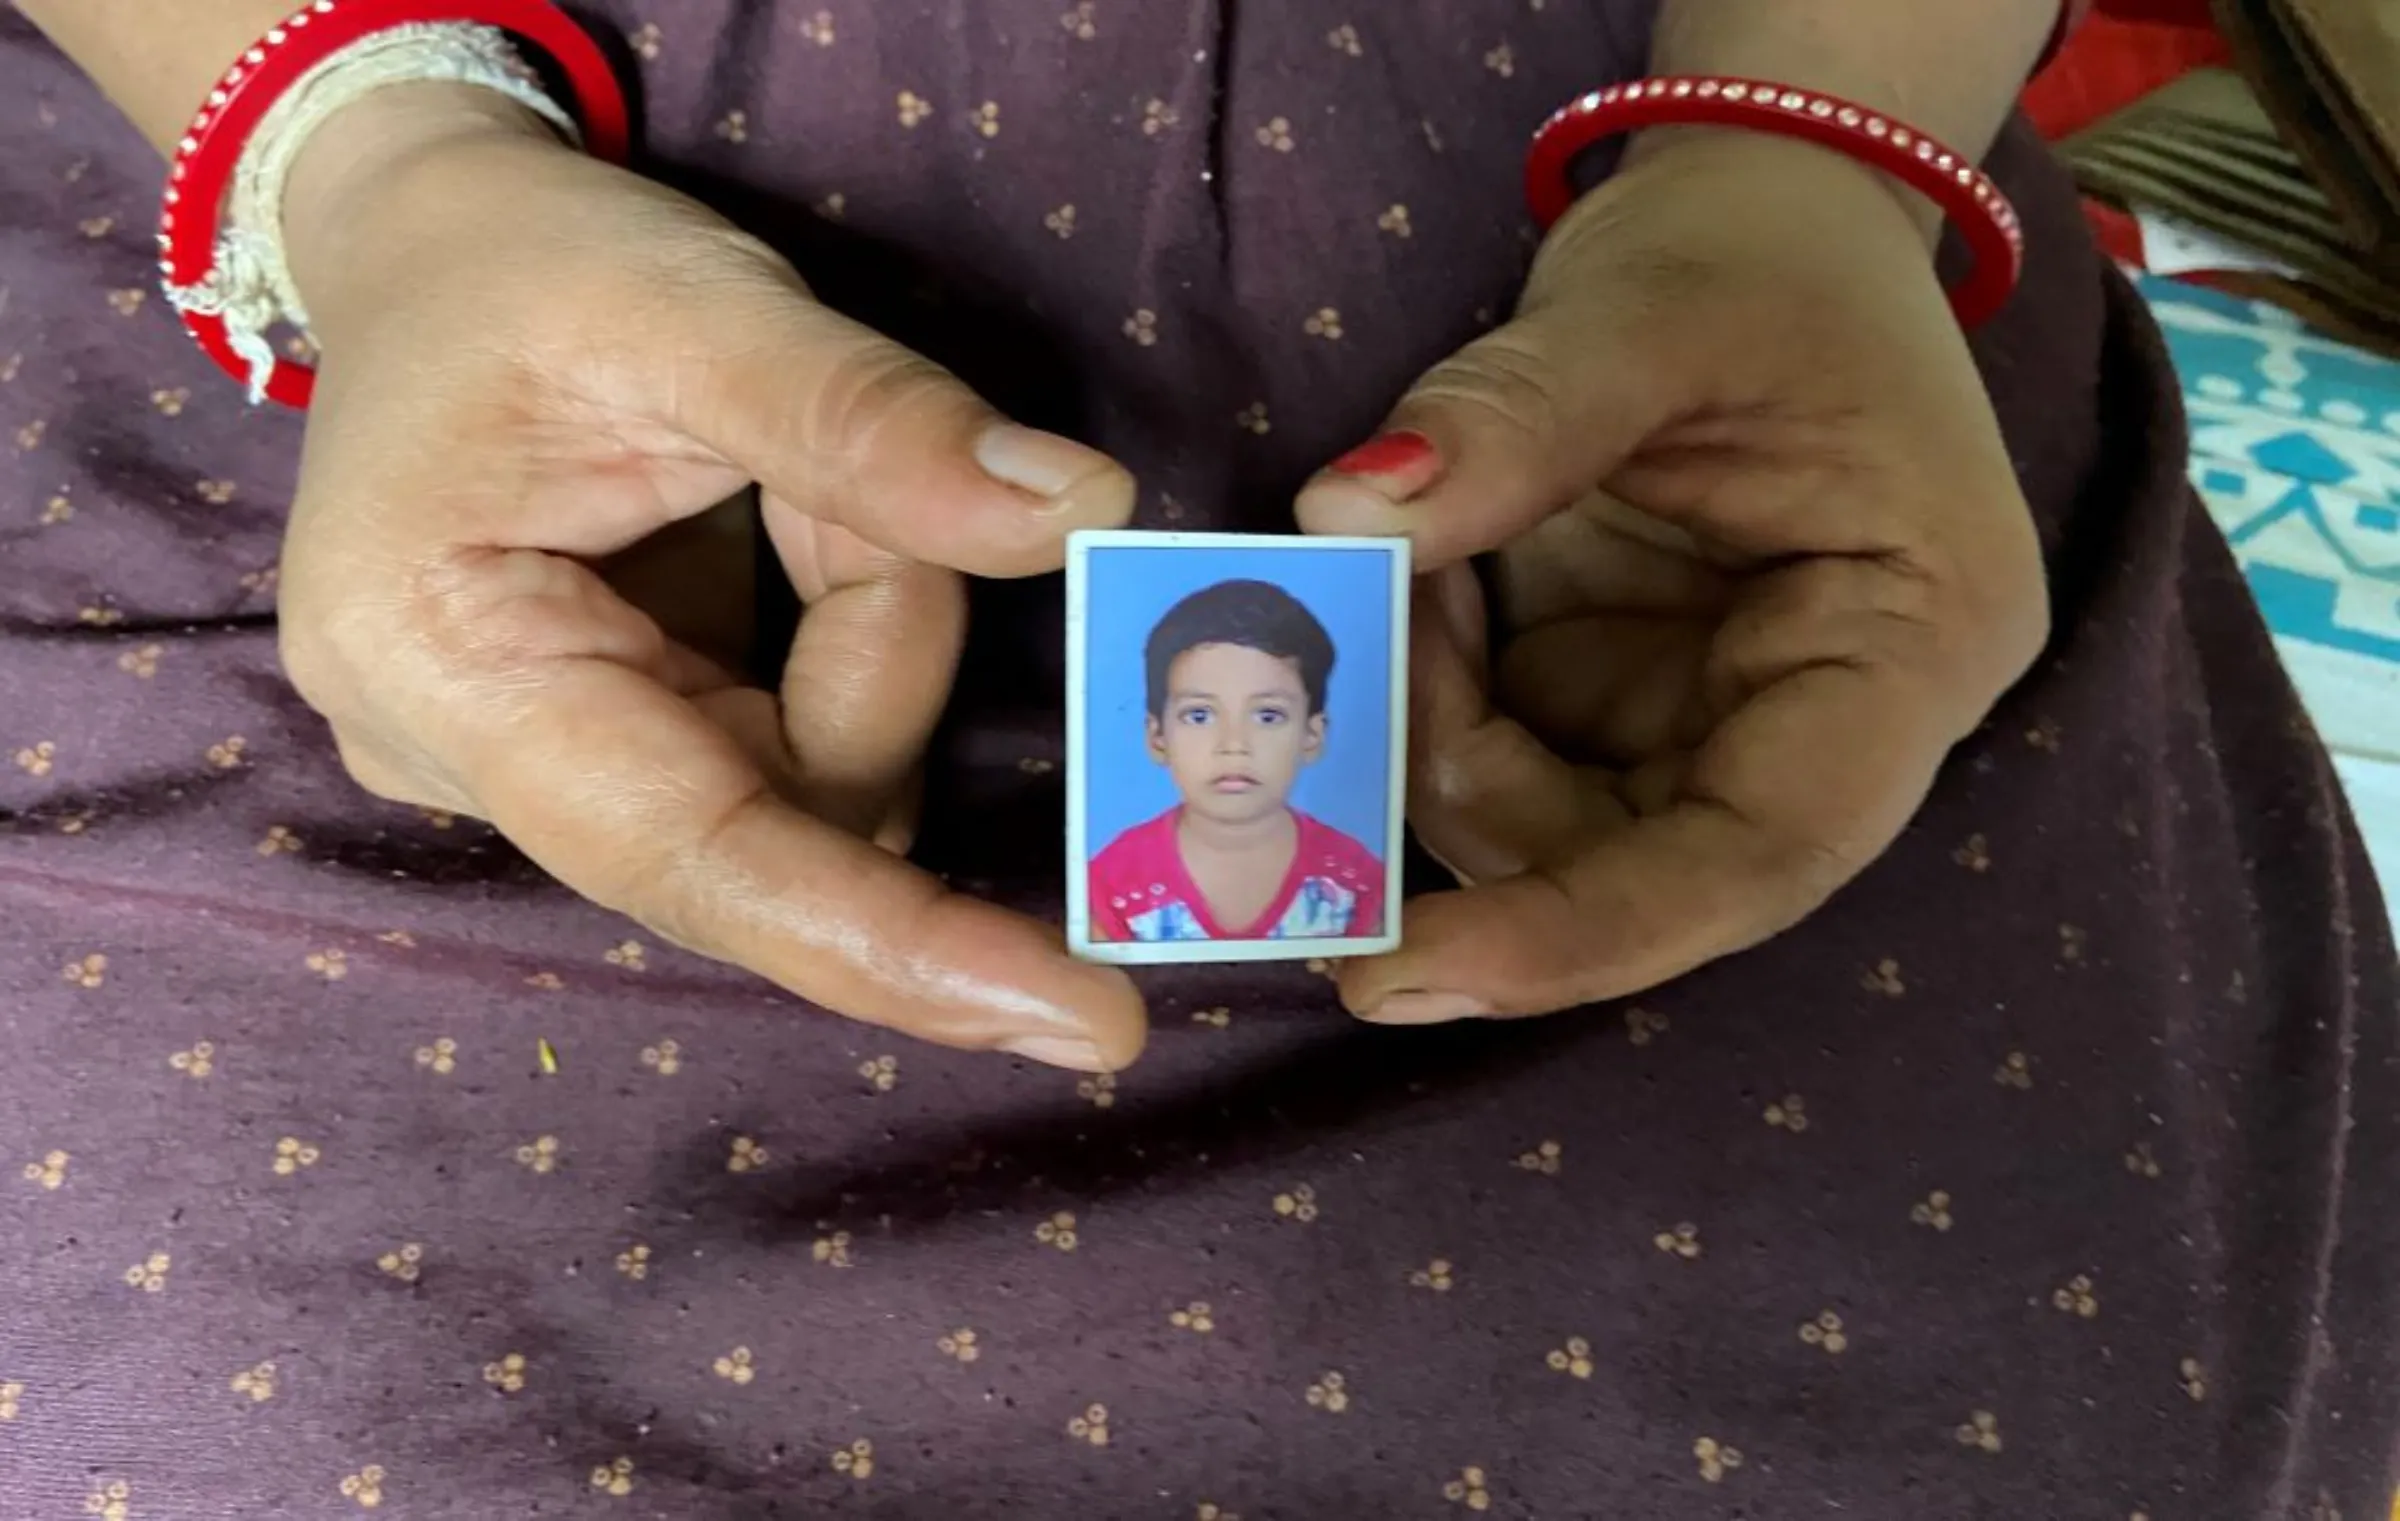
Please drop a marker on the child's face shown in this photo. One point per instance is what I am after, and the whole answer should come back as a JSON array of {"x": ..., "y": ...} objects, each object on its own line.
[{"x": 1235, "y": 731}]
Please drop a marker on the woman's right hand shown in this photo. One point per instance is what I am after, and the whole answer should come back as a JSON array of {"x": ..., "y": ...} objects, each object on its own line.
[{"x": 532, "y": 361}]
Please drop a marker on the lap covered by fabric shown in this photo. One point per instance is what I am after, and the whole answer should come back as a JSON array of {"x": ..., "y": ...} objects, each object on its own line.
[{"x": 2043, "y": 1174}]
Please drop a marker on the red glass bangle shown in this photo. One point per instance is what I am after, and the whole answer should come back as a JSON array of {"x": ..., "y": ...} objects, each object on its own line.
[
  {"x": 1963, "y": 192},
  {"x": 204, "y": 162}
]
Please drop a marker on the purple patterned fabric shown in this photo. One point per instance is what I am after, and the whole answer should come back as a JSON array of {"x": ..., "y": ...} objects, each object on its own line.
[{"x": 2046, "y": 1174}]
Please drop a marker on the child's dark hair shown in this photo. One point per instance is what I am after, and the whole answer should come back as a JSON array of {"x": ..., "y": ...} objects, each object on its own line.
[{"x": 1253, "y": 614}]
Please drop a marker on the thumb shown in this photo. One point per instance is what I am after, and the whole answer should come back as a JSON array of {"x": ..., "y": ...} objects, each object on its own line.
[
  {"x": 863, "y": 434},
  {"x": 1497, "y": 437}
]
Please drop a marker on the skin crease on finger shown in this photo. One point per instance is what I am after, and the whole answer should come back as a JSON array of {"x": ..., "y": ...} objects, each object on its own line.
[
  {"x": 872, "y": 934},
  {"x": 899, "y": 956},
  {"x": 781, "y": 873},
  {"x": 854, "y": 422},
  {"x": 902, "y": 986},
  {"x": 774, "y": 908},
  {"x": 1863, "y": 581},
  {"x": 864, "y": 935},
  {"x": 510, "y": 634},
  {"x": 1485, "y": 800},
  {"x": 477, "y": 443},
  {"x": 868, "y": 675},
  {"x": 860, "y": 743},
  {"x": 1920, "y": 521}
]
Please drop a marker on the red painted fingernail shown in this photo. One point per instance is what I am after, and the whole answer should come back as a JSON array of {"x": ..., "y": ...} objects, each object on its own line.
[{"x": 1398, "y": 455}]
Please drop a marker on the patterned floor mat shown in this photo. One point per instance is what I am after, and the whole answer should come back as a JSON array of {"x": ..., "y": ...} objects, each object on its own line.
[{"x": 2296, "y": 448}]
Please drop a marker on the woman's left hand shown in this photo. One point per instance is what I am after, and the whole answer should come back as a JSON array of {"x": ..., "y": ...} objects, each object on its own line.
[{"x": 1757, "y": 559}]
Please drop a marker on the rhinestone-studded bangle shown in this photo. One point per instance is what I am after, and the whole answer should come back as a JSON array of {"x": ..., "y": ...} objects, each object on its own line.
[
  {"x": 203, "y": 164},
  {"x": 1965, "y": 194}
]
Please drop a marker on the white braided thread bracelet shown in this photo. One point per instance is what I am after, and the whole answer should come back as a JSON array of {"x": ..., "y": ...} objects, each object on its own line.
[{"x": 251, "y": 287}]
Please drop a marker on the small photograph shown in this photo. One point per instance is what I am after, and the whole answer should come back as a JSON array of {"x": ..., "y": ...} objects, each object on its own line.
[{"x": 1236, "y": 715}]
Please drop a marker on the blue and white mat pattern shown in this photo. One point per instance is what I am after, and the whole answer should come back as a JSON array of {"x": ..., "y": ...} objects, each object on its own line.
[{"x": 2296, "y": 449}]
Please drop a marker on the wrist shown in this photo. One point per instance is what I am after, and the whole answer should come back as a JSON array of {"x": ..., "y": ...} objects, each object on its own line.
[
  {"x": 1680, "y": 182},
  {"x": 1799, "y": 169},
  {"x": 1699, "y": 150},
  {"x": 373, "y": 178},
  {"x": 1953, "y": 72}
]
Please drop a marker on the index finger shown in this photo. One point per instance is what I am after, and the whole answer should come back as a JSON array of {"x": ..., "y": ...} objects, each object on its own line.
[{"x": 627, "y": 794}]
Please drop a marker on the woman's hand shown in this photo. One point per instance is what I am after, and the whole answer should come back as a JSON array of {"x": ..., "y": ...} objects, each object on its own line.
[
  {"x": 1757, "y": 561},
  {"x": 534, "y": 361}
]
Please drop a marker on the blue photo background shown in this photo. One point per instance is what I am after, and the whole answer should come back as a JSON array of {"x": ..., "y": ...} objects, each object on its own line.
[{"x": 1349, "y": 590}]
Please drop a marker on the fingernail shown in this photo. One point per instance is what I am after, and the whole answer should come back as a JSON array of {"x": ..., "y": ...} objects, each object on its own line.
[
  {"x": 1404, "y": 462},
  {"x": 1042, "y": 463},
  {"x": 1056, "y": 1051},
  {"x": 1426, "y": 1009}
]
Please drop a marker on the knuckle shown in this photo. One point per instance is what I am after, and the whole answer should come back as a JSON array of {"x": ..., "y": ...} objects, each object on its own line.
[
  {"x": 483, "y": 614},
  {"x": 1782, "y": 865},
  {"x": 1982, "y": 603},
  {"x": 720, "y": 253},
  {"x": 1506, "y": 376},
  {"x": 2014, "y": 603},
  {"x": 302, "y": 649},
  {"x": 694, "y": 260},
  {"x": 856, "y": 383},
  {"x": 370, "y": 775},
  {"x": 328, "y": 645},
  {"x": 1546, "y": 973},
  {"x": 2025, "y": 630},
  {"x": 322, "y": 659},
  {"x": 676, "y": 879},
  {"x": 1808, "y": 868},
  {"x": 869, "y": 390}
]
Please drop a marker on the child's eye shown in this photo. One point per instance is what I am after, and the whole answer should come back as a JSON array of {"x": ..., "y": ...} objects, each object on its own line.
[
  {"x": 1272, "y": 716},
  {"x": 1196, "y": 716}
]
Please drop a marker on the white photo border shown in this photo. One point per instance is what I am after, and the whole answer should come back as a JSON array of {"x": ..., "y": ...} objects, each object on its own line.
[{"x": 1080, "y": 547}]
